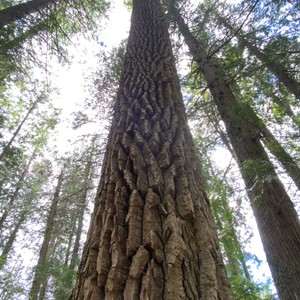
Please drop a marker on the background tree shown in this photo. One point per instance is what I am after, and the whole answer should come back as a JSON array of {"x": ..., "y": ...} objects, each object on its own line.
[
  {"x": 267, "y": 104},
  {"x": 39, "y": 279},
  {"x": 263, "y": 185},
  {"x": 233, "y": 231}
]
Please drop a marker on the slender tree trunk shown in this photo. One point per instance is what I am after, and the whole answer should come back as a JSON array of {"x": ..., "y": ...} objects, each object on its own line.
[
  {"x": 12, "y": 237},
  {"x": 19, "y": 11},
  {"x": 283, "y": 103},
  {"x": 82, "y": 204},
  {"x": 287, "y": 162},
  {"x": 278, "y": 69},
  {"x": 39, "y": 278},
  {"x": 43, "y": 290},
  {"x": 232, "y": 246},
  {"x": 233, "y": 268},
  {"x": 152, "y": 234},
  {"x": 15, "y": 195},
  {"x": 12, "y": 139},
  {"x": 70, "y": 240},
  {"x": 231, "y": 243},
  {"x": 239, "y": 259},
  {"x": 223, "y": 136},
  {"x": 275, "y": 215}
]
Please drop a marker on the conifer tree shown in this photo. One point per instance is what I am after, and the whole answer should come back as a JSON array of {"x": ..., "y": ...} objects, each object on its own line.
[{"x": 152, "y": 234}]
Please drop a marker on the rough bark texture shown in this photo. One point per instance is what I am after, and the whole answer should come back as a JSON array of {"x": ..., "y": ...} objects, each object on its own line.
[
  {"x": 19, "y": 11},
  {"x": 275, "y": 215},
  {"x": 152, "y": 234}
]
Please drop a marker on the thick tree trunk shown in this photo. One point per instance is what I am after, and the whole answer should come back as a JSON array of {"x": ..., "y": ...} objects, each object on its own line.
[
  {"x": 19, "y": 11},
  {"x": 39, "y": 278},
  {"x": 276, "y": 68},
  {"x": 152, "y": 234},
  {"x": 276, "y": 217}
]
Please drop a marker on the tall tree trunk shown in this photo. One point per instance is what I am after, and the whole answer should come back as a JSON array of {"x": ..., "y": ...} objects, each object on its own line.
[
  {"x": 73, "y": 222},
  {"x": 284, "y": 158},
  {"x": 15, "y": 194},
  {"x": 12, "y": 237},
  {"x": 152, "y": 234},
  {"x": 275, "y": 215},
  {"x": 271, "y": 143},
  {"x": 224, "y": 218},
  {"x": 276, "y": 68},
  {"x": 12, "y": 139},
  {"x": 43, "y": 290},
  {"x": 19, "y": 11},
  {"x": 39, "y": 278},
  {"x": 283, "y": 103},
  {"x": 82, "y": 207},
  {"x": 230, "y": 241}
]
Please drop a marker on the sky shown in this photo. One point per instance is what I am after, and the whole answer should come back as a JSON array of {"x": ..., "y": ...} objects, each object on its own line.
[{"x": 71, "y": 81}]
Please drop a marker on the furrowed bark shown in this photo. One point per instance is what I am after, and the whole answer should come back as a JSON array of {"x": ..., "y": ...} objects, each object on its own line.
[
  {"x": 152, "y": 234},
  {"x": 277, "y": 220}
]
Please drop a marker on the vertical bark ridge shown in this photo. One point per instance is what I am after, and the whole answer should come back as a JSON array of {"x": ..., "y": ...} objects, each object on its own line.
[
  {"x": 154, "y": 235},
  {"x": 276, "y": 217}
]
